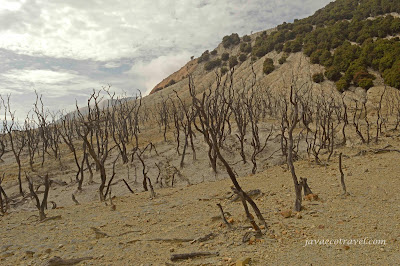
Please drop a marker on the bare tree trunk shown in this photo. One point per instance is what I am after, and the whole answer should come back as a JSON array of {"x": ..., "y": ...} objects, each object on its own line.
[{"x": 342, "y": 174}]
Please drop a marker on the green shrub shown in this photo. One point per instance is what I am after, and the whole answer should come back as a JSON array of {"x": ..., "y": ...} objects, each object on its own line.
[
  {"x": 362, "y": 75},
  {"x": 245, "y": 48},
  {"x": 392, "y": 75},
  {"x": 318, "y": 77},
  {"x": 204, "y": 57},
  {"x": 268, "y": 66},
  {"x": 233, "y": 61},
  {"x": 225, "y": 56},
  {"x": 242, "y": 57},
  {"x": 212, "y": 64},
  {"x": 278, "y": 47},
  {"x": 170, "y": 83},
  {"x": 229, "y": 40},
  {"x": 342, "y": 85},
  {"x": 314, "y": 58},
  {"x": 365, "y": 83},
  {"x": 214, "y": 52},
  {"x": 246, "y": 38},
  {"x": 283, "y": 59},
  {"x": 224, "y": 70},
  {"x": 333, "y": 74}
]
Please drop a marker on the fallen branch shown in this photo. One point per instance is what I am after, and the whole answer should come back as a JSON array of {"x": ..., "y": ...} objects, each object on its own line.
[
  {"x": 176, "y": 240},
  {"x": 58, "y": 217},
  {"x": 252, "y": 193},
  {"x": 204, "y": 238},
  {"x": 75, "y": 200},
  {"x": 223, "y": 216},
  {"x": 128, "y": 186},
  {"x": 55, "y": 261},
  {"x": 184, "y": 256}
]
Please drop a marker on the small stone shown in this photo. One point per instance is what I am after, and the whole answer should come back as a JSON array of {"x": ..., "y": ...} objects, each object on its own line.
[
  {"x": 286, "y": 213},
  {"x": 227, "y": 259},
  {"x": 298, "y": 215},
  {"x": 48, "y": 251},
  {"x": 231, "y": 220},
  {"x": 346, "y": 247},
  {"x": 243, "y": 261},
  {"x": 29, "y": 253},
  {"x": 252, "y": 240},
  {"x": 7, "y": 254},
  {"x": 60, "y": 246},
  {"x": 171, "y": 250}
]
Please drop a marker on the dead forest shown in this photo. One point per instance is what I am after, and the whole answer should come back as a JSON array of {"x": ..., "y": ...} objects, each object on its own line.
[{"x": 237, "y": 126}]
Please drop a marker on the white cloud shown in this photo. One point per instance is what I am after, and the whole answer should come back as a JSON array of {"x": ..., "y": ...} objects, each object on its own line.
[
  {"x": 159, "y": 68},
  {"x": 106, "y": 30},
  {"x": 39, "y": 76},
  {"x": 60, "y": 90}
]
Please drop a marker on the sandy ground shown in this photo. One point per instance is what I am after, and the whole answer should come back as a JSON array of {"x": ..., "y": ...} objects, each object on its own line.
[{"x": 144, "y": 231}]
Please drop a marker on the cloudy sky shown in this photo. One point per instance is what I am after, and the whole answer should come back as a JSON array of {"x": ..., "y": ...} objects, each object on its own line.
[{"x": 64, "y": 49}]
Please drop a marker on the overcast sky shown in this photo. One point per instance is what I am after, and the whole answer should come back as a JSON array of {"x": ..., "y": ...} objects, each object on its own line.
[{"x": 66, "y": 48}]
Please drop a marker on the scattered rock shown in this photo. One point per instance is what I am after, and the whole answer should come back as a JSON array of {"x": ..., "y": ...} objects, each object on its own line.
[
  {"x": 6, "y": 255},
  {"x": 29, "y": 253},
  {"x": 298, "y": 215},
  {"x": 286, "y": 213},
  {"x": 346, "y": 247},
  {"x": 311, "y": 197},
  {"x": 243, "y": 261}
]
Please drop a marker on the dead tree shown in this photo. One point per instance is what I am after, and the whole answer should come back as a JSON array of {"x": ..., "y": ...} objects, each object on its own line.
[
  {"x": 360, "y": 113},
  {"x": 396, "y": 107},
  {"x": 306, "y": 188},
  {"x": 94, "y": 130},
  {"x": 3, "y": 140},
  {"x": 163, "y": 113},
  {"x": 343, "y": 117},
  {"x": 3, "y": 144},
  {"x": 146, "y": 179},
  {"x": 41, "y": 120},
  {"x": 186, "y": 122},
  {"x": 241, "y": 116},
  {"x": 32, "y": 139},
  {"x": 253, "y": 105},
  {"x": 3, "y": 202},
  {"x": 16, "y": 136},
  {"x": 217, "y": 110},
  {"x": 54, "y": 138},
  {"x": 67, "y": 132},
  {"x": 342, "y": 174},
  {"x": 290, "y": 119},
  {"x": 379, "y": 120},
  {"x": 124, "y": 126},
  {"x": 41, "y": 206},
  {"x": 211, "y": 111}
]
